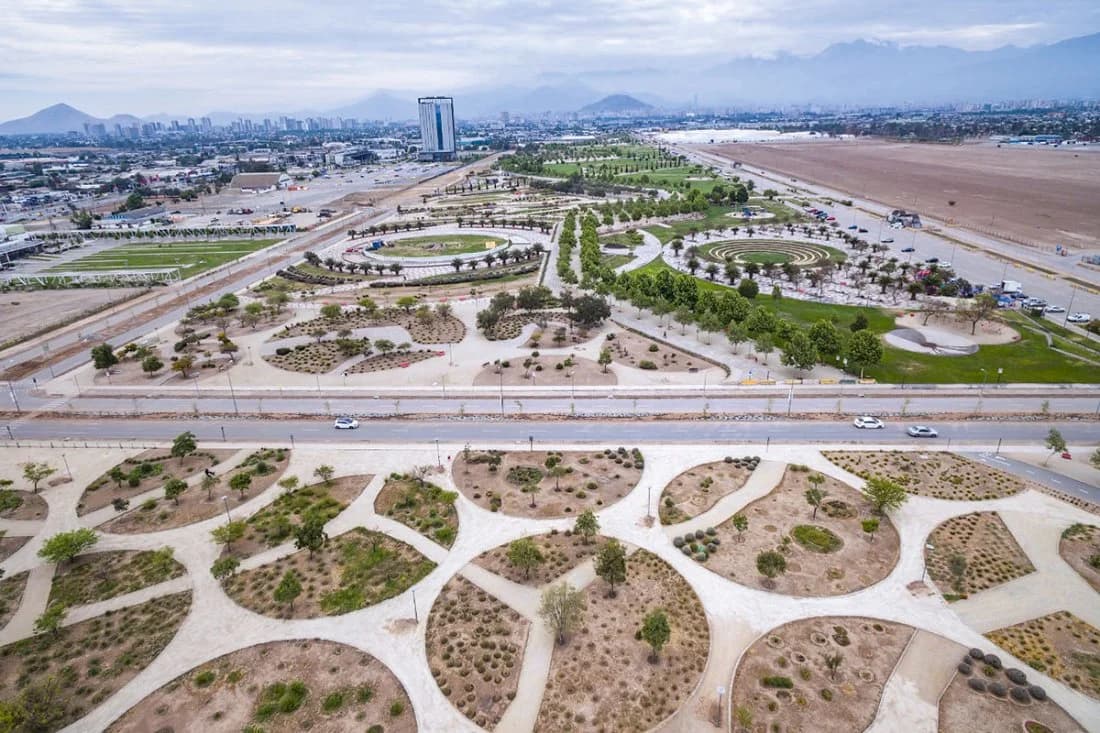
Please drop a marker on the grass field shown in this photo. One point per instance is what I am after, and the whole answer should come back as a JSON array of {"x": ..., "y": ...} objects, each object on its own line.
[
  {"x": 1027, "y": 360},
  {"x": 439, "y": 245},
  {"x": 614, "y": 261},
  {"x": 623, "y": 238},
  {"x": 190, "y": 257}
]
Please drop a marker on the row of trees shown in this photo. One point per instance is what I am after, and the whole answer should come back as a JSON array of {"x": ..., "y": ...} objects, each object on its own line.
[
  {"x": 586, "y": 311},
  {"x": 567, "y": 240}
]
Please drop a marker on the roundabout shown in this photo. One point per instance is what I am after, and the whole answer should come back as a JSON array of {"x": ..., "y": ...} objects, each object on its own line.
[{"x": 774, "y": 252}]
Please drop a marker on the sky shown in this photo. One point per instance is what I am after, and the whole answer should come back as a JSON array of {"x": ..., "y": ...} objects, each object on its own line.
[{"x": 192, "y": 56}]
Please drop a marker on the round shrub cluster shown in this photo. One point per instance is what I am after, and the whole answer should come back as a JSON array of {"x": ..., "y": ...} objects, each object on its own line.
[
  {"x": 976, "y": 684},
  {"x": 1016, "y": 676},
  {"x": 965, "y": 669}
]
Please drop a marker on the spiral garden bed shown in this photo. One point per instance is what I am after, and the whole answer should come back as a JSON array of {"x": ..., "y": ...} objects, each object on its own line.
[{"x": 771, "y": 251}]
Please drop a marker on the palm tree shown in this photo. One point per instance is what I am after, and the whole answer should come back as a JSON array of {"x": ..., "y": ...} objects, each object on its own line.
[
  {"x": 396, "y": 268},
  {"x": 456, "y": 263}
]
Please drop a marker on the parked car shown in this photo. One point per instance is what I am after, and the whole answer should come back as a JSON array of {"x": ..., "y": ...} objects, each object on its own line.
[
  {"x": 1079, "y": 318},
  {"x": 932, "y": 260},
  {"x": 1054, "y": 309},
  {"x": 868, "y": 422},
  {"x": 346, "y": 423},
  {"x": 853, "y": 227},
  {"x": 922, "y": 431},
  {"x": 862, "y": 230}
]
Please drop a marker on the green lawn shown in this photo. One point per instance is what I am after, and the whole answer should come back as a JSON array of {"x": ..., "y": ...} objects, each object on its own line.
[
  {"x": 1027, "y": 360},
  {"x": 623, "y": 238},
  {"x": 713, "y": 217},
  {"x": 190, "y": 257},
  {"x": 614, "y": 261},
  {"x": 439, "y": 245},
  {"x": 765, "y": 255}
]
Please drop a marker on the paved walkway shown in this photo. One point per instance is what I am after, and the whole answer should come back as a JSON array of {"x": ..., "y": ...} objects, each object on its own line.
[{"x": 911, "y": 699}]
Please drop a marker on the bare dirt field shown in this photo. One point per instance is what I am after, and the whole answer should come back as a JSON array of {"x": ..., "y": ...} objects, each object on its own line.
[
  {"x": 542, "y": 371},
  {"x": 632, "y": 350},
  {"x": 826, "y": 555},
  {"x": 602, "y": 679},
  {"x": 936, "y": 474},
  {"x": 784, "y": 684},
  {"x": 24, "y": 314},
  {"x": 250, "y": 689},
  {"x": 1080, "y": 547},
  {"x": 699, "y": 488},
  {"x": 475, "y": 648},
  {"x": 1061, "y": 645},
  {"x": 984, "y": 182},
  {"x": 561, "y": 552},
  {"x": 964, "y": 709},
  {"x": 991, "y": 552},
  {"x": 501, "y": 481}
]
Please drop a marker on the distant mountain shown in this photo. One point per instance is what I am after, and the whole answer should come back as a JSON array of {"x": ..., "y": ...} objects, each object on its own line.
[
  {"x": 57, "y": 119},
  {"x": 379, "y": 106},
  {"x": 616, "y": 104}
]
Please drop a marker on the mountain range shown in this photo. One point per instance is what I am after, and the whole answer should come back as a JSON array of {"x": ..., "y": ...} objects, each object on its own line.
[{"x": 857, "y": 73}]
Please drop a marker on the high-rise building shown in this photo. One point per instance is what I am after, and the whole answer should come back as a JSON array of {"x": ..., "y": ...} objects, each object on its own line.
[{"x": 437, "y": 128}]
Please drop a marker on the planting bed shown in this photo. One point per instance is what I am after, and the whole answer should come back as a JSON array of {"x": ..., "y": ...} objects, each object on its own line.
[
  {"x": 312, "y": 358},
  {"x": 102, "y": 575},
  {"x": 542, "y": 371},
  {"x": 495, "y": 480},
  {"x": 561, "y": 552},
  {"x": 11, "y": 545},
  {"x": 11, "y": 595},
  {"x": 785, "y": 685},
  {"x": 934, "y": 473},
  {"x": 511, "y": 325},
  {"x": 1080, "y": 547},
  {"x": 279, "y": 686},
  {"x": 421, "y": 505},
  {"x": 475, "y": 647},
  {"x": 981, "y": 692},
  {"x": 74, "y": 671},
  {"x": 1060, "y": 645},
  {"x": 143, "y": 472},
  {"x": 991, "y": 553},
  {"x": 630, "y": 349},
  {"x": 265, "y": 465},
  {"x": 699, "y": 488},
  {"x": 437, "y": 330},
  {"x": 602, "y": 679},
  {"x": 782, "y": 521},
  {"x": 276, "y": 522},
  {"x": 22, "y": 505},
  {"x": 394, "y": 360},
  {"x": 354, "y": 570}
]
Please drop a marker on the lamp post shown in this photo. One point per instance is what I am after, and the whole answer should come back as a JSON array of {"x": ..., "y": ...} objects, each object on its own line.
[
  {"x": 225, "y": 502},
  {"x": 236, "y": 410},
  {"x": 438, "y": 459}
]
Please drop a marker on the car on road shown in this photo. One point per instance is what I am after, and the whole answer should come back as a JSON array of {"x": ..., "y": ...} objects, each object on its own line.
[
  {"x": 945, "y": 265},
  {"x": 921, "y": 431},
  {"x": 830, "y": 218},
  {"x": 932, "y": 260},
  {"x": 868, "y": 422},
  {"x": 853, "y": 227},
  {"x": 1079, "y": 318},
  {"x": 1054, "y": 309},
  {"x": 346, "y": 423},
  {"x": 862, "y": 230}
]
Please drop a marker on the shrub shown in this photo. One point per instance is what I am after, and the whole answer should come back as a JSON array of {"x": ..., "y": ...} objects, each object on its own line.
[
  {"x": 678, "y": 542},
  {"x": 653, "y": 347},
  {"x": 816, "y": 539},
  {"x": 778, "y": 683},
  {"x": 1019, "y": 694},
  {"x": 1037, "y": 693},
  {"x": 997, "y": 689},
  {"x": 976, "y": 684},
  {"x": 827, "y": 694},
  {"x": 396, "y": 708},
  {"x": 965, "y": 669},
  {"x": 993, "y": 661},
  {"x": 1016, "y": 676},
  {"x": 333, "y": 701},
  {"x": 647, "y": 365},
  {"x": 976, "y": 654},
  {"x": 204, "y": 679},
  {"x": 282, "y": 351},
  {"x": 364, "y": 694}
]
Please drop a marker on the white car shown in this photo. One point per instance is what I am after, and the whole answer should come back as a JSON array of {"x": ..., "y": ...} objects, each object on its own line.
[
  {"x": 346, "y": 423},
  {"x": 1054, "y": 309},
  {"x": 1079, "y": 318},
  {"x": 868, "y": 422},
  {"x": 922, "y": 431}
]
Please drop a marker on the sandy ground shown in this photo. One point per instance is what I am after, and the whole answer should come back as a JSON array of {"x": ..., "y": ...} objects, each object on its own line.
[
  {"x": 25, "y": 313},
  {"x": 963, "y": 710},
  {"x": 1060, "y": 644},
  {"x": 988, "y": 332},
  {"x": 984, "y": 182},
  {"x": 992, "y": 553}
]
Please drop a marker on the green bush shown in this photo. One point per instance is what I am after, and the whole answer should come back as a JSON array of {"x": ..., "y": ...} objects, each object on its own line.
[
  {"x": 523, "y": 475},
  {"x": 647, "y": 365},
  {"x": 816, "y": 539},
  {"x": 396, "y": 708},
  {"x": 333, "y": 701},
  {"x": 204, "y": 679},
  {"x": 778, "y": 683},
  {"x": 364, "y": 694}
]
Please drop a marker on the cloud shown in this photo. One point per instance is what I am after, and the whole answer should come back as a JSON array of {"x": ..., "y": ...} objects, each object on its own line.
[{"x": 154, "y": 55}]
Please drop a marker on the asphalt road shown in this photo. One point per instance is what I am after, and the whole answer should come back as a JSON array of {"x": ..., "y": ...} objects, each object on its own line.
[{"x": 1040, "y": 475}]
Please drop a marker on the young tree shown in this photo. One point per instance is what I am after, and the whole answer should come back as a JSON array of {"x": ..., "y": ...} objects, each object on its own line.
[
  {"x": 525, "y": 554},
  {"x": 864, "y": 350},
  {"x": 240, "y": 482},
  {"x": 737, "y": 335},
  {"x": 103, "y": 356},
  {"x": 605, "y": 358},
  {"x": 884, "y": 494},
  {"x": 229, "y": 533},
  {"x": 611, "y": 564},
  {"x": 771, "y": 564},
  {"x": 288, "y": 589},
  {"x": 36, "y": 473},
  {"x": 981, "y": 307},
  {"x": 183, "y": 365},
  {"x": 173, "y": 487},
  {"x": 1094, "y": 459},
  {"x": 117, "y": 475},
  {"x": 799, "y": 352},
  {"x": 832, "y": 663},
  {"x": 562, "y": 609},
  {"x": 956, "y": 565},
  {"x": 289, "y": 484},
  {"x": 330, "y": 311},
  {"x": 814, "y": 497},
  {"x": 310, "y": 534},
  {"x": 151, "y": 364},
  {"x": 325, "y": 472},
  {"x": 870, "y": 526},
  {"x": 1054, "y": 442},
  {"x": 740, "y": 523},
  {"x": 225, "y": 567},
  {"x": 765, "y": 345},
  {"x": 64, "y": 546},
  {"x": 656, "y": 632},
  {"x": 586, "y": 525},
  {"x": 209, "y": 482},
  {"x": 825, "y": 337},
  {"x": 183, "y": 445},
  {"x": 51, "y": 619}
]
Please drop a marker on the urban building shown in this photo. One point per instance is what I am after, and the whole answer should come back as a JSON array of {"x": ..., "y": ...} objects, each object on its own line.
[{"x": 437, "y": 128}]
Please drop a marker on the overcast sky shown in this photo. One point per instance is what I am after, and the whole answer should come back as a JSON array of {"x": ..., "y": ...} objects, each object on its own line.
[{"x": 193, "y": 56}]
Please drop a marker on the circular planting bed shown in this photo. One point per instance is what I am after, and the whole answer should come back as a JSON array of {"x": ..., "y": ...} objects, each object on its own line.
[
  {"x": 699, "y": 488},
  {"x": 435, "y": 245},
  {"x": 279, "y": 686},
  {"x": 775, "y": 252}
]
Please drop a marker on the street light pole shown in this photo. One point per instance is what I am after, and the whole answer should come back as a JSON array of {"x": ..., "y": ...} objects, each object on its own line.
[
  {"x": 225, "y": 502},
  {"x": 232, "y": 394}
]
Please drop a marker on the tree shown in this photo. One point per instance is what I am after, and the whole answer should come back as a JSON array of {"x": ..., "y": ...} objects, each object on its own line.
[
  {"x": 525, "y": 554},
  {"x": 864, "y": 350},
  {"x": 229, "y": 533},
  {"x": 103, "y": 356},
  {"x": 183, "y": 365},
  {"x": 814, "y": 497},
  {"x": 740, "y": 523},
  {"x": 64, "y": 546},
  {"x": 748, "y": 288},
  {"x": 406, "y": 303},
  {"x": 656, "y": 632},
  {"x": 384, "y": 346},
  {"x": 884, "y": 494},
  {"x": 956, "y": 565},
  {"x": 1054, "y": 442},
  {"x": 173, "y": 488},
  {"x": 590, "y": 311},
  {"x": 605, "y": 358},
  {"x": 330, "y": 311},
  {"x": 832, "y": 663},
  {"x": 586, "y": 525},
  {"x": 825, "y": 337},
  {"x": 288, "y": 589},
  {"x": 1094, "y": 459},
  {"x": 51, "y": 619},
  {"x": 151, "y": 364},
  {"x": 310, "y": 534},
  {"x": 981, "y": 306},
  {"x": 562, "y": 609},
  {"x": 744, "y": 717},
  {"x": 771, "y": 564},
  {"x": 289, "y": 484},
  {"x": 36, "y": 473},
  {"x": 859, "y": 323},
  {"x": 325, "y": 472},
  {"x": 870, "y": 526},
  {"x": 225, "y": 567},
  {"x": 183, "y": 445},
  {"x": 209, "y": 481},
  {"x": 764, "y": 345},
  {"x": 611, "y": 564},
  {"x": 799, "y": 352},
  {"x": 117, "y": 475},
  {"x": 240, "y": 482}
]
